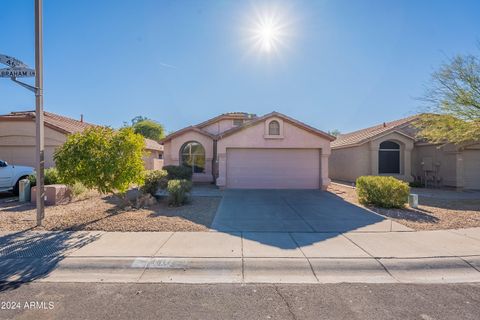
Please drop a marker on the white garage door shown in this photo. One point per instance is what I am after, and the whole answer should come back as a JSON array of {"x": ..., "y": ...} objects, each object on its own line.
[
  {"x": 273, "y": 168},
  {"x": 471, "y": 165}
]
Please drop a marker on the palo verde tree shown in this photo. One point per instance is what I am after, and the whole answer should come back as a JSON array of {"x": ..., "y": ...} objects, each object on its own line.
[
  {"x": 101, "y": 158},
  {"x": 454, "y": 103}
]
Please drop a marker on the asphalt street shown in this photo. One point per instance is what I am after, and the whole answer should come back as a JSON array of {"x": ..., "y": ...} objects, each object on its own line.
[{"x": 252, "y": 301}]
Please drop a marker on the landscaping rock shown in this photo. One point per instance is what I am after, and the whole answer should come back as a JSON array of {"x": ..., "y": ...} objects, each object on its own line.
[
  {"x": 133, "y": 194},
  {"x": 54, "y": 194},
  {"x": 145, "y": 201}
]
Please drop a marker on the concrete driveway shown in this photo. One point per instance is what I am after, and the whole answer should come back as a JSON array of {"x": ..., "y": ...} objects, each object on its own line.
[{"x": 295, "y": 211}]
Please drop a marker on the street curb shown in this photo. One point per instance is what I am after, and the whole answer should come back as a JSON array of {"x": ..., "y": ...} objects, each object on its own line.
[{"x": 263, "y": 270}]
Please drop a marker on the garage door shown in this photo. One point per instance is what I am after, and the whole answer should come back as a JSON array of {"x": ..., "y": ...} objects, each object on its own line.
[
  {"x": 19, "y": 155},
  {"x": 273, "y": 168},
  {"x": 471, "y": 165}
]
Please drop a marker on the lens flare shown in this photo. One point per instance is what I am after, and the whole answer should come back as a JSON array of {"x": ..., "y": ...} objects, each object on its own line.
[{"x": 269, "y": 29}]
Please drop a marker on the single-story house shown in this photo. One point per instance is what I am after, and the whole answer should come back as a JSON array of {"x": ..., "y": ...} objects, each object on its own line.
[
  {"x": 241, "y": 150},
  {"x": 17, "y": 138},
  {"x": 392, "y": 149}
]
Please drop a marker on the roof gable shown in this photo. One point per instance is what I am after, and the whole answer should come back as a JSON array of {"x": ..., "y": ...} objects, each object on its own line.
[
  {"x": 292, "y": 121},
  {"x": 187, "y": 129},
  {"x": 227, "y": 116}
]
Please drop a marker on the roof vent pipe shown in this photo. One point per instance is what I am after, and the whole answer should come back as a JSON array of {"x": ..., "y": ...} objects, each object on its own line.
[{"x": 81, "y": 118}]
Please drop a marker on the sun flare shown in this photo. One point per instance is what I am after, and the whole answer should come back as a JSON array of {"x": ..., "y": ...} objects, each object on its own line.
[
  {"x": 268, "y": 35},
  {"x": 269, "y": 29}
]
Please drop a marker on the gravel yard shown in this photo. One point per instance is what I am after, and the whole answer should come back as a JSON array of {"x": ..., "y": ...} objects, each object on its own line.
[
  {"x": 441, "y": 209},
  {"x": 97, "y": 212}
]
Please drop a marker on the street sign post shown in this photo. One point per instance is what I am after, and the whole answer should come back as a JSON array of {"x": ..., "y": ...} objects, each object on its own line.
[
  {"x": 40, "y": 165},
  {"x": 18, "y": 69}
]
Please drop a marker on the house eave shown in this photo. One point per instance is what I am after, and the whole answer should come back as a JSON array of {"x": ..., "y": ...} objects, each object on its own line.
[
  {"x": 184, "y": 130},
  {"x": 357, "y": 144}
]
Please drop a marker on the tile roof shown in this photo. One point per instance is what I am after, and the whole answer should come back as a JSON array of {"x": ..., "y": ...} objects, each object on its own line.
[
  {"x": 153, "y": 145},
  {"x": 228, "y": 115},
  {"x": 190, "y": 128},
  {"x": 363, "y": 135},
  {"x": 52, "y": 120}
]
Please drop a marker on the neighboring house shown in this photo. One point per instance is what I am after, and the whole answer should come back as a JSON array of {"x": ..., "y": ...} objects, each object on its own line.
[
  {"x": 17, "y": 138},
  {"x": 154, "y": 158},
  {"x": 392, "y": 149},
  {"x": 240, "y": 150}
]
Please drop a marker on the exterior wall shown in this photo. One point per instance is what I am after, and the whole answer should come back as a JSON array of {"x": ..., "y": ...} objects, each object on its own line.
[
  {"x": 352, "y": 162},
  {"x": 17, "y": 143},
  {"x": 406, "y": 147},
  {"x": 437, "y": 164},
  {"x": 347, "y": 164},
  {"x": 152, "y": 160},
  {"x": 254, "y": 137},
  {"x": 219, "y": 126},
  {"x": 171, "y": 153}
]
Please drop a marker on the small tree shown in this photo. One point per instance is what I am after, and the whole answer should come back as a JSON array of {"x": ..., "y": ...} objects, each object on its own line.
[
  {"x": 334, "y": 132},
  {"x": 148, "y": 128},
  {"x": 454, "y": 99},
  {"x": 103, "y": 159}
]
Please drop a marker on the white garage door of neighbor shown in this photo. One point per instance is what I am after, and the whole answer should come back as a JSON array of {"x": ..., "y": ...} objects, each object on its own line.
[
  {"x": 471, "y": 166},
  {"x": 273, "y": 168}
]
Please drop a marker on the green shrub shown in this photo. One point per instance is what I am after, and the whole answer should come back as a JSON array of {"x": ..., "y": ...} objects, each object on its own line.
[
  {"x": 177, "y": 191},
  {"x": 154, "y": 180},
  {"x": 385, "y": 192},
  {"x": 78, "y": 189},
  {"x": 51, "y": 177},
  {"x": 102, "y": 158},
  {"x": 178, "y": 172}
]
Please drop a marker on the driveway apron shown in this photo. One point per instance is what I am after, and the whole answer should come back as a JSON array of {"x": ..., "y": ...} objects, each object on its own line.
[{"x": 293, "y": 211}]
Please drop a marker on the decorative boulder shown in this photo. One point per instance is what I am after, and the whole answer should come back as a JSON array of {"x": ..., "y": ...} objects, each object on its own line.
[
  {"x": 54, "y": 194},
  {"x": 145, "y": 201}
]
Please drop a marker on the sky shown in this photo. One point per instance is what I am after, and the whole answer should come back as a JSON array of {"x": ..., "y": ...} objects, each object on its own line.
[{"x": 333, "y": 64}]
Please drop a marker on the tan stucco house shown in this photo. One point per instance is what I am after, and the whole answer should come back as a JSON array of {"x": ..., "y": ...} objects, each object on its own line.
[
  {"x": 241, "y": 150},
  {"x": 17, "y": 138},
  {"x": 392, "y": 149}
]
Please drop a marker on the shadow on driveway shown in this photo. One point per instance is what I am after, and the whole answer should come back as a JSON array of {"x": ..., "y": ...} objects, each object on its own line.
[{"x": 293, "y": 211}]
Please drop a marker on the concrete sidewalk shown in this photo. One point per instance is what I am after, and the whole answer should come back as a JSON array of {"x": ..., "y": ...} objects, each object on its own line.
[{"x": 242, "y": 257}]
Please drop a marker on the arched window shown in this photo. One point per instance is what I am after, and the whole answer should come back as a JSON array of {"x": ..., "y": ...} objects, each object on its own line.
[
  {"x": 274, "y": 128},
  {"x": 192, "y": 155},
  {"x": 389, "y": 158}
]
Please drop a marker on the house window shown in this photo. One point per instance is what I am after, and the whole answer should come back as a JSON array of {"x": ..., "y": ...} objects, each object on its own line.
[
  {"x": 274, "y": 128},
  {"x": 192, "y": 155},
  {"x": 237, "y": 122},
  {"x": 389, "y": 158}
]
